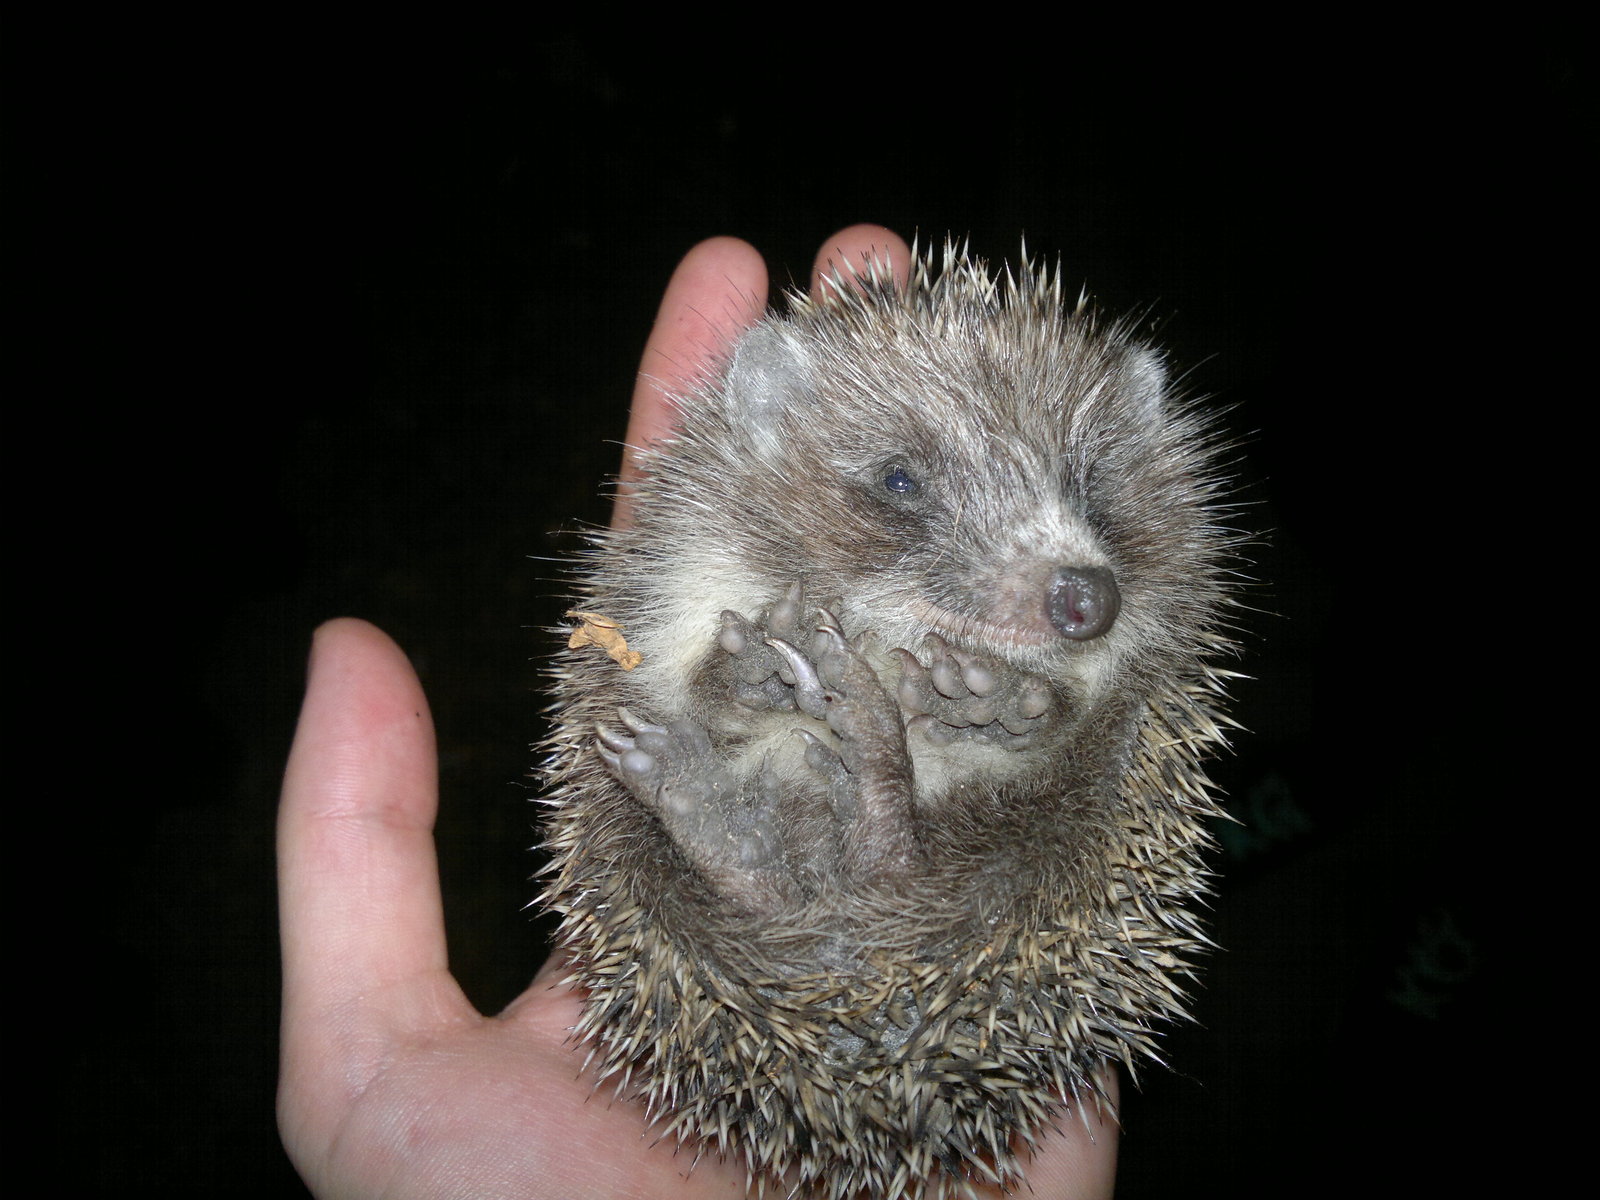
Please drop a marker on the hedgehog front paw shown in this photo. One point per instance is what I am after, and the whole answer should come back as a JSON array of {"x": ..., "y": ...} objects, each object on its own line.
[
  {"x": 673, "y": 771},
  {"x": 762, "y": 678},
  {"x": 962, "y": 695}
]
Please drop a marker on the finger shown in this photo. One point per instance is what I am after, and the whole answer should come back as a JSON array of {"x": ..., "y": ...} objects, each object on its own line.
[
  {"x": 718, "y": 290},
  {"x": 1080, "y": 1160},
  {"x": 358, "y": 880},
  {"x": 856, "y": 253}
]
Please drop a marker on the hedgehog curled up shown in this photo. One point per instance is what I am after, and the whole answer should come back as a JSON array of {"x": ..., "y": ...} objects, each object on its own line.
[{"x": 888, "y": 843}]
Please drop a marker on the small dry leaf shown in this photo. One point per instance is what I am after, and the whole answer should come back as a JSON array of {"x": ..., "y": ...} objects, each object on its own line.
[{"x": 598, "y": 630}]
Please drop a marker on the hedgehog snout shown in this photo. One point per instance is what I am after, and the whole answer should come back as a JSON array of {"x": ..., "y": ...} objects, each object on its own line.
[{"x": 1082, "y": 602}]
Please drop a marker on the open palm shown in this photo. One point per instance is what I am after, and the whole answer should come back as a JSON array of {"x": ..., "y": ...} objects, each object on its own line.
[{"x": 392, "y": 1084}]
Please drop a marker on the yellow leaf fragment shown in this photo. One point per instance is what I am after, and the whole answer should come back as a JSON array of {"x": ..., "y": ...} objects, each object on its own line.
[{"x": 597, "y": 630}]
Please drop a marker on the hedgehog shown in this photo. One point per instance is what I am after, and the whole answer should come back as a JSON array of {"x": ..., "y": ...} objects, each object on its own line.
[{"x": 877, "y": 809}]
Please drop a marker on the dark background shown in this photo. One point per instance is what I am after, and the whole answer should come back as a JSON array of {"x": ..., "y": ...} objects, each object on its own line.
[{"x": 347, "y": 325}]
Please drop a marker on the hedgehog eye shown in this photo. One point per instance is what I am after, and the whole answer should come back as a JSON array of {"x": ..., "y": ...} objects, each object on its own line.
[{"x": 900, "y": 482}]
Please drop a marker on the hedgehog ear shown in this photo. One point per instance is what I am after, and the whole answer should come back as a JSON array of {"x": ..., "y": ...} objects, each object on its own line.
[
  {"x": 769, "y": 375},
  {"x": 1146, "y": 378}
]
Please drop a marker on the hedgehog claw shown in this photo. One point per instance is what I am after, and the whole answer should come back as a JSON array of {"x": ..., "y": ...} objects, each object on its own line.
[
  {"x": 638, "y": 726},
  {"x": 611, "y": 741},
  {"x": 809, "y": 694},
  {"x": 674, "y": 772}
]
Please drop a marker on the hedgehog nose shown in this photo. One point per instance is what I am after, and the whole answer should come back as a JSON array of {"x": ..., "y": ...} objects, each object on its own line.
[{"x": 1082, "y": 602}]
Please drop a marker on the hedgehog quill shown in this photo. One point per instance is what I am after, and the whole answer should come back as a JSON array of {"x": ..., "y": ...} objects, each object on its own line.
[{"x": 883, "y": 838}]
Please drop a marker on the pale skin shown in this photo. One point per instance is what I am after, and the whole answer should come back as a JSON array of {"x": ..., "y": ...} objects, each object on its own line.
[{"x": 392, "y": 1084}]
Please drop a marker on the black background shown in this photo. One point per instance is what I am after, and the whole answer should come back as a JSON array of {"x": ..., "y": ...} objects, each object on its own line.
[{"x": 345, "y": 324}]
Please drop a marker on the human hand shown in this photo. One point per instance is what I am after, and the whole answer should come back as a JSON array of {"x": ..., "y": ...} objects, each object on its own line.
[{"x": 391, "y": 1083}]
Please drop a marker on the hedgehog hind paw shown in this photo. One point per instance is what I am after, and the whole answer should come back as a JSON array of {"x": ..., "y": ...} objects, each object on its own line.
[
  {"x": 732, "y": 839},
  {"x": 869, "y": 778}
]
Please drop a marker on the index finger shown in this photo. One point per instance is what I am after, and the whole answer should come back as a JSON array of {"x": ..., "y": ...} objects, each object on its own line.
[{"x": 717, "y": 291}]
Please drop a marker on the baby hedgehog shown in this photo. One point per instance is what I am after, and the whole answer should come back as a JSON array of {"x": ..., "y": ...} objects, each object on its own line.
[{"x": 877, "y": 806}]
